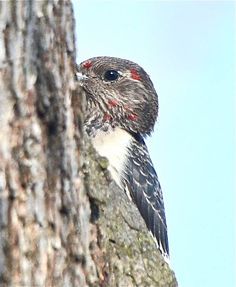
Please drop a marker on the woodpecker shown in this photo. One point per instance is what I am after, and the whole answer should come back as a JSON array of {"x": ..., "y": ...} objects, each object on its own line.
[{"x": 122, "y": 108}]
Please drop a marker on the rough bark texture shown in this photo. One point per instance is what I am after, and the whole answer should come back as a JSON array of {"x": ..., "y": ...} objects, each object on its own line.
[{"x": 62, "y": 221}]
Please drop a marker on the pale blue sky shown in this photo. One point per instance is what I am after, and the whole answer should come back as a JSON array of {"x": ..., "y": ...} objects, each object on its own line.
[{"x": 188, "y": 49}]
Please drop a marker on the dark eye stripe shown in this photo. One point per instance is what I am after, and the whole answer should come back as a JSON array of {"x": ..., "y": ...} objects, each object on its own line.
[{"x": 111, "y": 75}]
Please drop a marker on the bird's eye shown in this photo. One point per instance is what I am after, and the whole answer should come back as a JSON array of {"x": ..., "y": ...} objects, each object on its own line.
[{"x": 111, "y": 75}]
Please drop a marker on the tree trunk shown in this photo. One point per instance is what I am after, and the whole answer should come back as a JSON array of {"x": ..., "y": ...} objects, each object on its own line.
[{"x": 62, "y": 221}]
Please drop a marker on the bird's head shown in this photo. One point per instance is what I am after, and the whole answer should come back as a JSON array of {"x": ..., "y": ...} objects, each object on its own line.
[{"x": 120, "y": 93}]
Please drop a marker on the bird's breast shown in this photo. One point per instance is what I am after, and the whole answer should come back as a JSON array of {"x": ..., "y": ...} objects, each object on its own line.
[{"x": 114, "y": 146}]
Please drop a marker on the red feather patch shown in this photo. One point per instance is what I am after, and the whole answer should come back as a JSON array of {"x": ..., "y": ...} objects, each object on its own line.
[
  {"x": 107, "y": 117},
  {"x": 132, "y": 117},
  {"x": 87, "y": 64},
  {"x": 135, "y": 75},
  {"x": 113, "y": 103}
]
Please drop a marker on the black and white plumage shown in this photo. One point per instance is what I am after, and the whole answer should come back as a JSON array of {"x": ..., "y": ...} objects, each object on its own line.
[{"x": 122, "y": 108}]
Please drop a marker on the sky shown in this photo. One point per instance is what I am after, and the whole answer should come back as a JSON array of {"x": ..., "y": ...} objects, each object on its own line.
[{"x": 189, "y": 50}]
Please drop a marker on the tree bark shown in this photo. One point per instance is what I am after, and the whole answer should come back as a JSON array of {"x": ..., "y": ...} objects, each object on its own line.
[{"x": 62, "y": 221}]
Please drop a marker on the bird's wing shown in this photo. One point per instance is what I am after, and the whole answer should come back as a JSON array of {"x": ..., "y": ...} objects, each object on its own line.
[{"x": 143, "y": 185}]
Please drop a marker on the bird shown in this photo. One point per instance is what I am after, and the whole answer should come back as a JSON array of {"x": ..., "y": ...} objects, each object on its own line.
[{"x": 121, "y": 111}]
